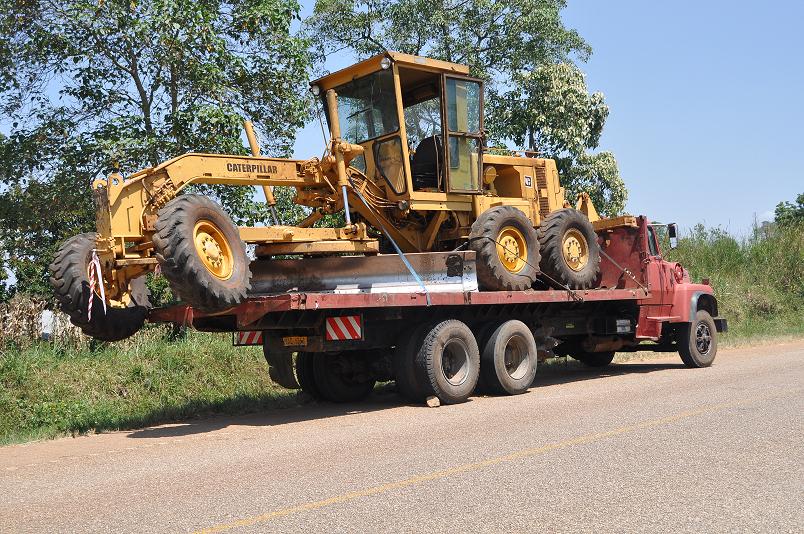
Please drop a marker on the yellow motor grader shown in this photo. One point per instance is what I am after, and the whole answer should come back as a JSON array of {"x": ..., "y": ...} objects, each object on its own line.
[{"x": 406, "y": 164}]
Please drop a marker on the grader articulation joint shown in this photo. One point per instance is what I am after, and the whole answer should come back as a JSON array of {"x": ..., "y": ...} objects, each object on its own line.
[{"x": 406, "y": 164}]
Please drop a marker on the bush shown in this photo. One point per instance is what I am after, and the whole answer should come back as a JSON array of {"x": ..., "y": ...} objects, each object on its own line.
[{"x": 759, "y": 281}]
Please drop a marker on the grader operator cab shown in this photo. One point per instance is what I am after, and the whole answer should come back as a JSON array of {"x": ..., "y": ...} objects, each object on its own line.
[{"x": 407, "y": 165}]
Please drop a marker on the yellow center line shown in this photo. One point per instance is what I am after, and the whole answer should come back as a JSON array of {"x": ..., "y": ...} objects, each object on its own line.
[{"x": 525, "y": 453}]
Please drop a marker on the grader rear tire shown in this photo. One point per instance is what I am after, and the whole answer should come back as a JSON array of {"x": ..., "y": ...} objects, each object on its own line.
[
  {"x": 507, "y": 248},
  {"x": 570, "y": 252},
  {"x": 69, "y": 277},
  {"x": 201, "y": 254}
]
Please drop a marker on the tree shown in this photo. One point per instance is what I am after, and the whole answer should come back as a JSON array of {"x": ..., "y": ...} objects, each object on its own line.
[
  {"x": 90, "y": 86},
  {"x": 789, "y": 213},
  {"x": 536, "y": 96}
]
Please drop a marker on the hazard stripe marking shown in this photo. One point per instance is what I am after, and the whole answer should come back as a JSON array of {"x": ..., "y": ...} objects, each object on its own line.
[
  {"x": 249, "y": 337},
  {"x": 343, "y": 328}
]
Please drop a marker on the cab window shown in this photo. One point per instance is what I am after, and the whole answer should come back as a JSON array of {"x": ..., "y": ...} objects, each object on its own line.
[
  {"x": 653, "y": 247},
  {"x": 367, "y": 107}
]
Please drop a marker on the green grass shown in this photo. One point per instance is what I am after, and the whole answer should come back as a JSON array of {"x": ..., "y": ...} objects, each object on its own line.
[{"x": 46, "y": 392}]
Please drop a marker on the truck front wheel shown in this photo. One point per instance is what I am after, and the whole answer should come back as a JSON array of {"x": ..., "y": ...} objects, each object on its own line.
[{"x": 697, "y": 341}]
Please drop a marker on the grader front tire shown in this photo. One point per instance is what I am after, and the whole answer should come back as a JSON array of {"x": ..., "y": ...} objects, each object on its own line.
[
  {"x": 69, "y": 277},
  {"x": 201, "y": 254},
  {"x": 507, "y": 248}
]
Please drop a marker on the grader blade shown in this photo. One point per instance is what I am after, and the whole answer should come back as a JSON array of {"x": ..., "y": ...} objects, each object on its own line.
[{"x": 440, "y": 272}]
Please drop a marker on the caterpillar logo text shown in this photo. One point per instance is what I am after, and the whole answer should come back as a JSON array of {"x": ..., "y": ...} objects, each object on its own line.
[{"x": 251, "y": 167}]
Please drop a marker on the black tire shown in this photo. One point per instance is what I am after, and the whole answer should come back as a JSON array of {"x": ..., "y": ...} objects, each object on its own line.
[
  {"x": 448, "y": 362},
  {"x": 564, "y": 224},
  {"x": 342, "y": 376},
  {"x": 595, "y": 359},
  {"x": 190, "y": 278},
  {"x": 69, "y": 278},
  {"x": 407, "y": 381},
  {"x": 509, "y": 359},
  {"x": 305, "y": 375},
  {"x": 485, "y": 238},
  {"x": 697, "y": 341},
  {"x": 482, "y": 332}
]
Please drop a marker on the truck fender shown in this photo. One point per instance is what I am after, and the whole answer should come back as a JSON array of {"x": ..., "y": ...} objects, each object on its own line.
[{"x": 701, "y": 300}]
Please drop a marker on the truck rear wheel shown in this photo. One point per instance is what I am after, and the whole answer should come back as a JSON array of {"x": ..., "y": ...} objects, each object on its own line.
[
  {"x": 407, "y": 381},
  {"x": 570, "y": 252},
  {"x": 69, "y": 277},
  {"x": 595, "y": 359},
  {"x": 201, "y": 253},
  {"x": 697, "y": 341},
  {"x": 509, "y": 359},
  {"x": 448, "y": 362},
  {"x": 342, "y": 376},
  {"x": 305, "y": 376},
  {"x": 507, "y": 248}
]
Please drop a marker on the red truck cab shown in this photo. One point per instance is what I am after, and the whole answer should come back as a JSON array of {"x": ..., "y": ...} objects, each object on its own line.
[{"x": 676, "y": 310}]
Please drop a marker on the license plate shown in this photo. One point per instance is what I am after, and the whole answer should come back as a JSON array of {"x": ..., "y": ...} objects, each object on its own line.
[{"x": 295, "y": 341}]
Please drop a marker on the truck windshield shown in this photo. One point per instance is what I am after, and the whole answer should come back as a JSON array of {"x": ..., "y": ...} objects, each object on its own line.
[{"x": 367, "y": 107}]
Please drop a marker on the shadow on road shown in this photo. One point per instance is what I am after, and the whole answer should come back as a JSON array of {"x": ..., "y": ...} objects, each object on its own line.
[
  {"x": 297, "y": 407},
  {"x": 563, "y": 372}
]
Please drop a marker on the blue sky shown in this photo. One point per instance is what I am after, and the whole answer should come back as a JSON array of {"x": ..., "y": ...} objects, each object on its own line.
[{"x": 707, "y": 104}]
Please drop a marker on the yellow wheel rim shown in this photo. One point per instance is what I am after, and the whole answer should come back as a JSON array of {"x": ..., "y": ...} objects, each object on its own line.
[
  {"x": 575, "y": 249},
  {"x": 512, "y": 249},
  {"x": 213, "y": 249}
]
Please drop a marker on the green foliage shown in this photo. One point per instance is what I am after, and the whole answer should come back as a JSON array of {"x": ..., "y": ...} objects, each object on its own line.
[
  {"x": 789, "y": 214},
  {"x": 759, "y": 281},
  {"x": 87, "y": 87},
  {"x": 536, "y": 96},
  {"x": 46, "y": 392}
]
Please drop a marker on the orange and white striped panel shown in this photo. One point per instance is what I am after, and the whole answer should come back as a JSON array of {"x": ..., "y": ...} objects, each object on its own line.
[
  {"x": 344, "y": 328},
  {"x": 247, "y": 337}
]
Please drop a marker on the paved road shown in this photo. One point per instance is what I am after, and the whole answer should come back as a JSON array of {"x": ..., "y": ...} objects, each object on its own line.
[{"x": 647, "y": 446}]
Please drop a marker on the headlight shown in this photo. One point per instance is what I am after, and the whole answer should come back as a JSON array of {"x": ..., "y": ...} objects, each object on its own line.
[
  {"x": 315, "y": 90},
  {"x": 385, "y": 63}
]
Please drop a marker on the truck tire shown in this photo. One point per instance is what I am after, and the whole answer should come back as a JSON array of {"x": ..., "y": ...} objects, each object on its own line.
[
  {"x": 595, "y": 359},
  {"x": 69, "y": 277},
  {"x": 507, "y": 248},
  {"x": 305, "y": 376},
  {"x": 509, "y": 359},
  {"x": 407, "y": 381},
  {"x": 448, "y": 362},
  {"x": 697, "y": 341},
  {"x": 342, "y": 376},
  {"x": 201, "y": 254},
  {"x": 570, "y": 251}
]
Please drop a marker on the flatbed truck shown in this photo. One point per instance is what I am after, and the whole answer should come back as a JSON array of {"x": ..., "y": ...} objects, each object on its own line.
[{"x": 336, "y": 344}]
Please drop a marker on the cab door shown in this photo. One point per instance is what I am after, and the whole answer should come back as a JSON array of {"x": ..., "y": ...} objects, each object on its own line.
[{"x": 462, "y": 114}]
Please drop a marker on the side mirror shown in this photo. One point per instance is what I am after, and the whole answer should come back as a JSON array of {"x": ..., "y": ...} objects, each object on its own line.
[{"x": 672, "y": 233}]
